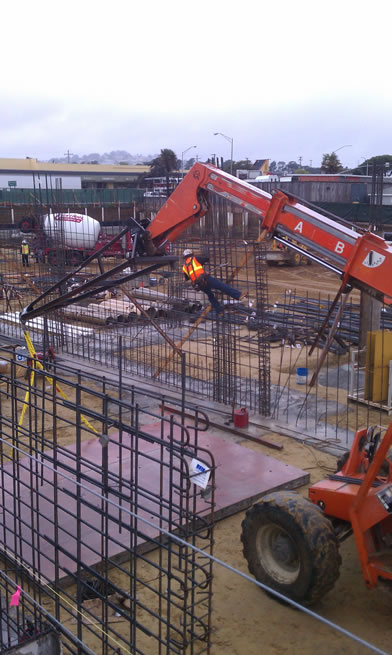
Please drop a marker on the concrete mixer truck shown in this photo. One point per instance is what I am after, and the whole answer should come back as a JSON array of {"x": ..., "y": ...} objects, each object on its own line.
[{"x": 71, "y": 237}]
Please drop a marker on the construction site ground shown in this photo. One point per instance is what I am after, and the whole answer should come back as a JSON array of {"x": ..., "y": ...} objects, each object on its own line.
[
  {"x": 245, "y": 620},
  {"x": 248, "y": 622}
]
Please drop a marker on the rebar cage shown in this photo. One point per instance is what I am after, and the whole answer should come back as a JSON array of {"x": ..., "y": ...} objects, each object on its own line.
[
  {"x": 155, "y": 314},
  {"x": 233, "y": 360},
  {"x": 103, "y": 524}
]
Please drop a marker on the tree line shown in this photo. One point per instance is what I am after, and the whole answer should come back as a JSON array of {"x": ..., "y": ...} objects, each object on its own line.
[{"x": 167, "y": 162}]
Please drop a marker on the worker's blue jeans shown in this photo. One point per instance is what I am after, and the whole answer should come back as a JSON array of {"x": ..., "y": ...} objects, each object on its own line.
[{"x": 214, "y": 283}]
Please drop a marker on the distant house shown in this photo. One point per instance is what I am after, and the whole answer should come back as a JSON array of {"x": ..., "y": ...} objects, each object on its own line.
[{"x": 259, "y": 168}]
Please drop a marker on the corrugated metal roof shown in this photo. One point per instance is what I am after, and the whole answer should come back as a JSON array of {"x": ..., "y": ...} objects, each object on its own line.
[{"x": 31, "y": 165}]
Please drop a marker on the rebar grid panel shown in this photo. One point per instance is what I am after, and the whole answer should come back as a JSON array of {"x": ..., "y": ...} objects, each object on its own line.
[
  {"x": 222, "y": 359},
  {"x": 92, "y": 328},
  {"x": 326, "y": 410},
  {"x": 86, "y": 513},
  {"x": 59, "y": 239}
]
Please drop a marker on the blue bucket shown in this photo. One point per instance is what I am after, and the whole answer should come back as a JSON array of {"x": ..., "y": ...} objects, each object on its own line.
[{"x": 302, "y": 375}]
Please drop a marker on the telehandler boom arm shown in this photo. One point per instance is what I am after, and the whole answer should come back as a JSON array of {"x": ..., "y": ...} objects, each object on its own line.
[{"x": 362, "y": 260}]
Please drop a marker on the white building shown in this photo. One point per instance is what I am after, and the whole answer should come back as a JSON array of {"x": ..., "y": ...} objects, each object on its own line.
[{"x": 30, "y": 173}]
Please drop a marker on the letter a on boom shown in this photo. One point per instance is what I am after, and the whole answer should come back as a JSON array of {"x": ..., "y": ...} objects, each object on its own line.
[{"x": 298, "y": 227}]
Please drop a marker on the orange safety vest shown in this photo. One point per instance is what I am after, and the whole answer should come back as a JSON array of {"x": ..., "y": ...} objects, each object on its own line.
[
  {"x": 25, "y": 249},
  {"x": 192, "y": 268}
]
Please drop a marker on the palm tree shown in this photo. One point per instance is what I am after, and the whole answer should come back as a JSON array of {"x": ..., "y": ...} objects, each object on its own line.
[
  {"x": 331, "y": 163},
  {"x": 164, "y": 165}
]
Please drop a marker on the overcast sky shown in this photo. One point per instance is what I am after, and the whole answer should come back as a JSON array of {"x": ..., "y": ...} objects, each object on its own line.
[{"x": 283, "y": 79}]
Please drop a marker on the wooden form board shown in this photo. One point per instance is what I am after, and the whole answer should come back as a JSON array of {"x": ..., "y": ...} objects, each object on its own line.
[{"x": 378, "y": 356}]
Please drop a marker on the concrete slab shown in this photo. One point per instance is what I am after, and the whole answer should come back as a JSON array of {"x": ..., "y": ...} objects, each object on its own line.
[
  {"x": 48, "y": 644},
  {"x": 41, "y": 518}
]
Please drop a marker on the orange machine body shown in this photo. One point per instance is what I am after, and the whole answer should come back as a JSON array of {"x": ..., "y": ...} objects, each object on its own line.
[{"x": 361, "y": 494}]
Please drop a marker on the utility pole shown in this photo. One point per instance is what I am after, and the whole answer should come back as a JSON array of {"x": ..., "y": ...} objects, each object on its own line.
[
  {"x": 231, "y": 141},
  {"x": 300, "y": 161},
  {"x": 68, "y": 154}
]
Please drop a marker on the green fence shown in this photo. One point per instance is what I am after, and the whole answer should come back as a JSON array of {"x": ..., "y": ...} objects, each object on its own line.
[
  {"x": 358, "y": 212},
  {"x": 69, "y": 196},
  {"x": 355, "y": 212}
]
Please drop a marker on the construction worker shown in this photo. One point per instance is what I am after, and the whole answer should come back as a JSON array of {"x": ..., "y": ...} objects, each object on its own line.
[
  {"x": 194, "y": 271},
  {"x": 24, "y": 249}
]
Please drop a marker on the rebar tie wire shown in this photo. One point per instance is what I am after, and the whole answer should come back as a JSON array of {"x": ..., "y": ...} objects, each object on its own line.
[{"x": 214, "y": 559}]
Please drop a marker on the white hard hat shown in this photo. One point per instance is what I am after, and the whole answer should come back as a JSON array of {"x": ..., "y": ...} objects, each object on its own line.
[{"x": 187, "y": 252}]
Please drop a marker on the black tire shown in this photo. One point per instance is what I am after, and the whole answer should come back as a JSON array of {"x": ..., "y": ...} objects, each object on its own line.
[
  {"x": 291, "y": 547},
  {"x": 295, "y": 259},
  {"x": 26, "y": 224}
]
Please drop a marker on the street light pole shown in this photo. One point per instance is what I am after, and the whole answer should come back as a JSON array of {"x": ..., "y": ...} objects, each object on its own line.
[
  {"x": 231, "y": 141},
  {"x": 182, "y": 160},
  {"x": 335, "y": 151},
  {"x": 367, "y": 164},
  {"x": 340, "y": 147}
]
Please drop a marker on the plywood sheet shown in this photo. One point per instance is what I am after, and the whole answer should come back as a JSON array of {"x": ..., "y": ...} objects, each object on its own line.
[
  {"x": 378, "y": 356},
  {"x": 30, "y": 515}
]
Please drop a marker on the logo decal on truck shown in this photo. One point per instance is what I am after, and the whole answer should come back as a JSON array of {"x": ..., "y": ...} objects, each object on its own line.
[
  {"x": 71, "y": 218},
  {"x": 373, "y": 259}
]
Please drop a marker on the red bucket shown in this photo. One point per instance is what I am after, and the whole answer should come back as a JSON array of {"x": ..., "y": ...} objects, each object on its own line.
[{"x": 241, "y": 418}]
